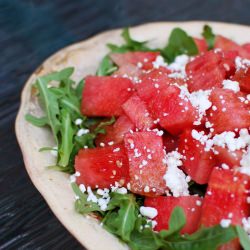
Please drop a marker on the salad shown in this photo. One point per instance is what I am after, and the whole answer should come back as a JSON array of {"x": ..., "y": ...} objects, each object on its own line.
[{"x": 157, "y": 142}]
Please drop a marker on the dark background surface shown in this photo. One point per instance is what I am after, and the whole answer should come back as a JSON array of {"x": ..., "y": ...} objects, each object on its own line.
[{"x": 30, "y": 30}]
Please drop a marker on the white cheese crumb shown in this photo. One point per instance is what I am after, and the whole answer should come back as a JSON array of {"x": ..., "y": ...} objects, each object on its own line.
[
  {"x": 198, "y": 203},
  {"x": 159, "y": 62},
  {"x": 72, "y": 178},
  {"x": 82, "y": 188},
  {"x": 179, "y": 65},
  {"x": 116, "y": 150},
  {"x": 146, "y": 189},
  {"x": 245, "y": 162},
  {"x": 175, "y": 177},
  {"x": 225, "y": 223},
  {"x": 148, "y": 212},
  {"x": 77, "y": 174},
  {"x": 246, "y": 224},
  {"x": 78, "y": 121},
  {"x": 121, "y": 190},
  {"x": 82, "y": 131},
  {"x": 241, "y": 63},
  {"x": 232, "y": 85}
]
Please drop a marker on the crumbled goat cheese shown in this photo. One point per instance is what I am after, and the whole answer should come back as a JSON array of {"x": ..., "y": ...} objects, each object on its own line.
[
  {"x": 246, "y": 224},
  {"x": 146, "y": 189},
  {"x": 241, "y": 63},
  {"x": 72, "y": 178},
  {"x": 121, "y": 190},
  {"x": 78, "y": 121},
  {"x": 82, "y": 131},
  {"x": 159, "y": 62},
  {"x": 148, "y": 212},
  {"x": 198, "y": 203},
  {"x": 225, "y": 223},
  {"x": 245, "y": 162},
  {"x": 77, "y": 174},
  {"x": 179, "y": 64},
  {"x": 232, "y": 85},
  {"x": 82, "y": 188},
  {"x": 91, "y": 195},
  {"x": 228, "y": 139},
  {"x": 175, "y": 177},
  {"x": 198, "y": 99}
]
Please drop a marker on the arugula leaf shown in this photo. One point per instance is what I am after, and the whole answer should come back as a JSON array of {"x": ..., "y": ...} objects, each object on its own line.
[
  {"x": 59, "y": 75},
  {"x": 82, "y": 205},
  {"x": 106, "y": 67},
  {"x": 67, "y": 133},
  {"x": 244, "y": 238},
  {"x": 36, "y": 121},
  {"x": 100, "y": 129},
  {"x": 145, "y": 239},
  {"x": 176, "y": 222},
  {"x": 179, "y": 43},
  {"x": 121, "y": 219},
  {"x": 209, "y": 36},
  {"x": 130, "y": 44},
  {"x": 61, "y": 104},
  {"x": 51, "y": 106},
  {"x": 79, "y": 89},
  {"x": 205, "y": 239}
]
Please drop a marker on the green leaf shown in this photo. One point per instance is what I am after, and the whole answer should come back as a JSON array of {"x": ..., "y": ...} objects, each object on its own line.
[
  {"x": 59, "y": 76},
  {"x": 100, "y": 129},
  {"x": 106, "y": 67},
  {"x": 67, "y": 134},
  {"x": 209, "y": 36},
  {"x": 51, "y": 106},
  {"x": 179, "y": 43},
  {"x": 121, "y": 219},
  {"x": 130, "y": 44},
  {"x": 205, "y": 239},
  {"x": 79, "y": 89},
  {"x": 36, "y": 121},
  {"x": 61, "y": 104},
  {"x": 244, "y": 238},
  {"x": 176, "y": 222},
  {"x": 83, "y": 206},
  {"x": 145, "y": 239}
]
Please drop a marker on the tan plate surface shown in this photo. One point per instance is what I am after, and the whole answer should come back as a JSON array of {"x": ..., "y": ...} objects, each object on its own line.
[{"x": 85, "y": 57}]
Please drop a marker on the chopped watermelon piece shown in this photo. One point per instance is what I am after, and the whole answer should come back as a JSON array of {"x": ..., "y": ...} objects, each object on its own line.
[
  {"x": 115, "y": 133},
  {"x": 197, "y": 163},
  {"x": 243, "y": 77},
  {"x": 246, "y": 46},
  {"x": 137, "y": 111},
  {"x": 170, "y": 142},
  {"x": 228, "y": 112},
  {"x": 226, "y": 198},
  {"x": 164, "y": 102},
  {"x": 228, "y": 62},
  {"x": 201, "y": 44},
  {"x": 165, "y": 206},
  {"x": 102, "y": 167},
  {"x": 104, "y": 95},
  {"x": 226, "y": 44},
  {"x": 232, "y": 245},
  {"x": 146, "y": 167},
  {"x": 230, "y": 158},
  {"x": 129, "y": 71},
  {"x": 143, "y": 60},
  {"x": 154, "y": 78},
  {"x": 205, "y": 71}
]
